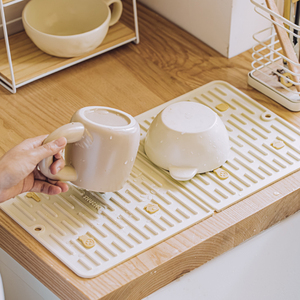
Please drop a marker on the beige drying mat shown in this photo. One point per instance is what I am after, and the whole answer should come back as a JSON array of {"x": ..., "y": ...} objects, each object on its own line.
[{"x": 122, "y": 228}]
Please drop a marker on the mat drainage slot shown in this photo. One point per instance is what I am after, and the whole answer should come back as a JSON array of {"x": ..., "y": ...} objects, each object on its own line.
[
  {"x": 39, "y": 228},
  {"x": 267, "y": 116}
]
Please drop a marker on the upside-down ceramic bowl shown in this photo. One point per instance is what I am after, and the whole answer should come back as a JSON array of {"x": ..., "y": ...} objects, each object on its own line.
[
  {"x": 187, "y": 138},
  {"x": 69, "y": 28}
]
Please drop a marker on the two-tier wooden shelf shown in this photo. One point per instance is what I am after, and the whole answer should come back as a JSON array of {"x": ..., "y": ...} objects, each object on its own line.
[{"x": 21, "y": 62}]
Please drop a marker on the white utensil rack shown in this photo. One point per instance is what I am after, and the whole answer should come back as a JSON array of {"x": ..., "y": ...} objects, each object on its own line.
[
  {"x": 23, "y": 62},
  {"x": 269, "y": 63}
]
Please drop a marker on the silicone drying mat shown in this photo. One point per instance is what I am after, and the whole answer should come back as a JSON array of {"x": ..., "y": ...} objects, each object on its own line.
[{"x": 119, "y": 224}]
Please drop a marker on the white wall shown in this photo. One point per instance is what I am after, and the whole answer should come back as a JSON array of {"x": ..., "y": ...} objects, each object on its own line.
[
  {"x": 19, "y": 284},
  {"x": 225, "y": 25},
  {"x": 244, "y": 23}
]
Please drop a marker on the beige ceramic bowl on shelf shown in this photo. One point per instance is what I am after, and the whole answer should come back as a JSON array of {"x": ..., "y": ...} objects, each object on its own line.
[
  {"x": 187, "y": 138},
  {"x": 69, "y": 28}
]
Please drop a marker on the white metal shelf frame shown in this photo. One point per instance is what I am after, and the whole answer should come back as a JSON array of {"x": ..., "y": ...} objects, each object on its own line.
[
  {"x": 12, "y": 86},
  {"x": 268, "y": 59}
]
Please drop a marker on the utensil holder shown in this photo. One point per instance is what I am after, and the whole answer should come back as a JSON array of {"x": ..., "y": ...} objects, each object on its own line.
[
  {"x": 23, "y": 62},
  {"x": 271, "y": 74}
]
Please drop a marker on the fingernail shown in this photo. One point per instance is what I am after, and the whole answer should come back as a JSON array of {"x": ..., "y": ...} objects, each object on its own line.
[{"x": 60, "y": 142}]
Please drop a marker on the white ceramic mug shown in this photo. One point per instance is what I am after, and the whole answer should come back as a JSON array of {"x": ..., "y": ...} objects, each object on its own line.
[
  {"x": 101, "y": 150},
  {"x": 69, "y": 28}
]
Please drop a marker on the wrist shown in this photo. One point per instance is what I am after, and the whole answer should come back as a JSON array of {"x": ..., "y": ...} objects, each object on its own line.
[{"x": 4, "y": 195}]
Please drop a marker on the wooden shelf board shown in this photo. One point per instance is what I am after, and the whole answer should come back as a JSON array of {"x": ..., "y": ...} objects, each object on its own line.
[
  {"x": 30, "y": 62},
  {"x": 10, "y": 2}
]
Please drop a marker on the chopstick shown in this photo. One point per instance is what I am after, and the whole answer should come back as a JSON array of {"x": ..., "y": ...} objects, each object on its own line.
[{"x": 295, "y": 39}]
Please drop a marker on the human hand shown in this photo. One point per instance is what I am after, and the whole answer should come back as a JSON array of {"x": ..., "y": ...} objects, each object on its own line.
[{"x": 18, "y": 168}]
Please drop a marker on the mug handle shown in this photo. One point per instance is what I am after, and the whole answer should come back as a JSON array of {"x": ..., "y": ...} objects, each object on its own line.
[
  {"x": 116, "y": 11},
  {"x": 73, "y": 132}
]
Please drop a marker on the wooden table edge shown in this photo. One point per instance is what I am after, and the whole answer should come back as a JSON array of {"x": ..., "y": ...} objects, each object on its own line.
[{"x": 174, "y": 257}]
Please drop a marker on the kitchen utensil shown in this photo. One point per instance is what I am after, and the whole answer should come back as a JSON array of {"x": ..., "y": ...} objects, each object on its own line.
[
  {"x": 286, "y": 44},
  {"x": 187, "y": 138},
  {"x": 71, "y": 27},
  {"x": 296, "y": 21},
  {"x": 102, "y": 146}
]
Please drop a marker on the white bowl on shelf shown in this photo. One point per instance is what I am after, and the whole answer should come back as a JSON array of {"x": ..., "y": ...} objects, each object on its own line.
[
  {"x": 69, "y": 28},
  {"x": 187, "y": 138}
]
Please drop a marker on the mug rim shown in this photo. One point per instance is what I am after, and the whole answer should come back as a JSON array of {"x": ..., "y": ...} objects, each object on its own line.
[
  {"x": 132, "y": 120},
  {"x": 24, "y": 19}
]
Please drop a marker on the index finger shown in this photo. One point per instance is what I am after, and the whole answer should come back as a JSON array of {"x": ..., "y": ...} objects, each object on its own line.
[
  {"x": 47, "y": 150},
  {"x": 33, "y": 142}
]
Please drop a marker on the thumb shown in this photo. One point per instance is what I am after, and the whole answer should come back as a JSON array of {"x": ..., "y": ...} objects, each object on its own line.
[{"x": 49, "y": 149}]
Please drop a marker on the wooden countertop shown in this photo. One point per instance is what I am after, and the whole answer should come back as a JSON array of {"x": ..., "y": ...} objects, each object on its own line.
[{"x": 167, "y": 63}]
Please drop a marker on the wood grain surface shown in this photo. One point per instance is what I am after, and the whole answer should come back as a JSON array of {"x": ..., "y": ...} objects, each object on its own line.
[
  {"x": 29, "y": 61},
  {"x": 167, "y": 63}
]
